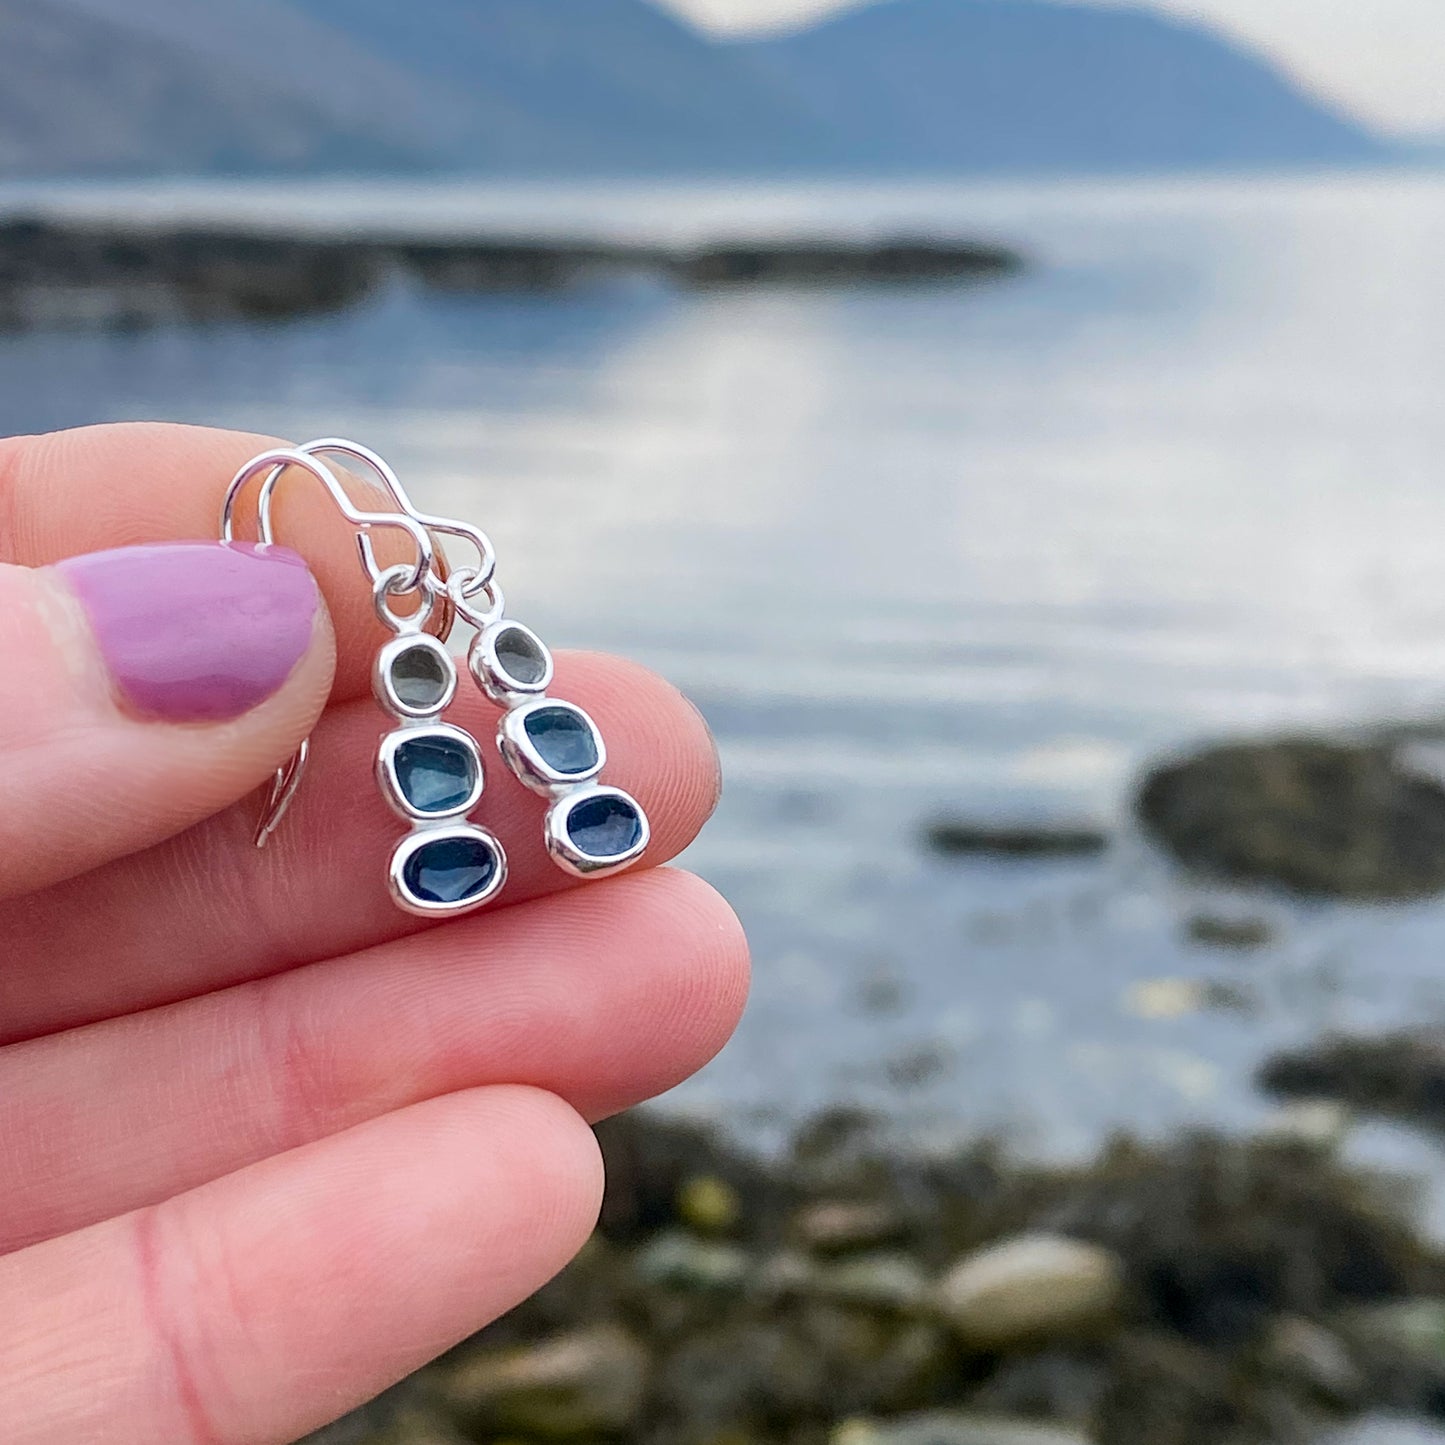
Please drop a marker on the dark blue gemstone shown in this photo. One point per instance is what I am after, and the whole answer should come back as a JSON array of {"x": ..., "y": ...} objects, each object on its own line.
[
  {"x": 605, "y": 827},
  {"x": 450, "y": 870},
  {"x": 435, "y": 774},
  {"x": 564, "y": 740}
]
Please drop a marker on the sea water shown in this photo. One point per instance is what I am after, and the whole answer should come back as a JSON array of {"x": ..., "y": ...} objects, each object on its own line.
[{"x": 977, "y": 549}]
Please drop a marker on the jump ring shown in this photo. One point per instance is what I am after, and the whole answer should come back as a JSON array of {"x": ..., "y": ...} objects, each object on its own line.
[{"x": 396, "y": 582}]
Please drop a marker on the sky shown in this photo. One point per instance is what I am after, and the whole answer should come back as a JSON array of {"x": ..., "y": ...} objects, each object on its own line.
[{"x": 1384, "y": 60}]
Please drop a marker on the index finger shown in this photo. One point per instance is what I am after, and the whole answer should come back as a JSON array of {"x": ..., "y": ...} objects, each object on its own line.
[{"x": 97, "y": 487}]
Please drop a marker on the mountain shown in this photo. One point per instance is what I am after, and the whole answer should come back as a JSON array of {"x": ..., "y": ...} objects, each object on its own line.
[
  {"x": 89, "y": 87},
  {"x": 1004, "y": 85},
  {"x": 607, "y": 87},
  {"x": 615, "y": 85}
]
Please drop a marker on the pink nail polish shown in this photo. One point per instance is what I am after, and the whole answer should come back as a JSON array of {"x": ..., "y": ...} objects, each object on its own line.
[{"x": 196, "y": 631}]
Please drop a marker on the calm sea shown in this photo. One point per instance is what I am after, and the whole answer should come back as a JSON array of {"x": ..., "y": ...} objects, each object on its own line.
[{"x": 982, "y": 549}]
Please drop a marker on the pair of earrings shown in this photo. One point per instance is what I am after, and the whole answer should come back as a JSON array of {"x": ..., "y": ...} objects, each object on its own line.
[{"x": 430, "y": 771}]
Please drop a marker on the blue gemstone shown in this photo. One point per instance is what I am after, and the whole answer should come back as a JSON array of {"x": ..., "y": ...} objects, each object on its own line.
[
  {"x": 564, "y": 740},
  {"x": 435, "y": 774},
  {"x": 450, "y": 870},
  {"x": 605, "y": 827}
]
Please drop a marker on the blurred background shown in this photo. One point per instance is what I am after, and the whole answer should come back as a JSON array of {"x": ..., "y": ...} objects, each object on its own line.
[{"x": 1017, "y": 425}]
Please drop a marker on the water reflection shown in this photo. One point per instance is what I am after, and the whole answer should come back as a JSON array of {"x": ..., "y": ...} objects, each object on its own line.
[{"x": 985, "y": 549}]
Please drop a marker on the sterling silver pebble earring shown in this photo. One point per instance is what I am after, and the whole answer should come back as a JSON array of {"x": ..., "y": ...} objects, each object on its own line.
[
  {"x": 591, "y": 830},
  {"x": 429, "y": 771},
  {"x": 553, "y": 747}
]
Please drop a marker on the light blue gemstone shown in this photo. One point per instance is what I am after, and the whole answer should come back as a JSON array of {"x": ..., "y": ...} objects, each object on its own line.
[
  {"x": 605, "y": 827},
  {"x": 564, "y": 740},
  {"x": 436, "y": 774},
  {"x": 450, "y": 870}
]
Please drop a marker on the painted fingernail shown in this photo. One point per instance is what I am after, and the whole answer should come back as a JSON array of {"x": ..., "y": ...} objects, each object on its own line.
[{"x": 196, "y": 631}]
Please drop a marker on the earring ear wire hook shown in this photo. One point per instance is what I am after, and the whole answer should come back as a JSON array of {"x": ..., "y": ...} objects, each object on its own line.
[
  {"x": 475, "y": 578},
  {"x": 418, "y": 577}
]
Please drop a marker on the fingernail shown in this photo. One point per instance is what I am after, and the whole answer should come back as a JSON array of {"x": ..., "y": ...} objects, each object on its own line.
[{"x": 196, "y": 631}]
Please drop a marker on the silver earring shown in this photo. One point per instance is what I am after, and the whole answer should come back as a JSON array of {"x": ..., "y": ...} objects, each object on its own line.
[
  {"x": 553, "y": 747},
  {"x": 429, "y": 771}
]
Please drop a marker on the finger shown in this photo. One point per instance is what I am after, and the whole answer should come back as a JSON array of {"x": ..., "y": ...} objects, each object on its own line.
[
  {"x": 208, "y": 910},
  {"x": 265, "y": 1304},
  {"x": 142, "y": 690},
  {"x": 605, "y": 997},
  {"x": 118, "y": 485}
]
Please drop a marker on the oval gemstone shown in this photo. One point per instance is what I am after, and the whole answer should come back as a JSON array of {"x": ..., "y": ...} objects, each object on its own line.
[
  {"x": 419, "y": 679},
  {"x": 564, "y": 740},
  {"x": 435, "y": 774},
  {"x": 604, "y": 827},
  {"x": 520, "y": 656},
  {"x": 450, "y": 870}
]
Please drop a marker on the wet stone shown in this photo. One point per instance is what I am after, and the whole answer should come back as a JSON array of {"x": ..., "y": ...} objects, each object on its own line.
[
  {"x": 605, "y": 827},
  {"x": 520, "y": 657},
  {"x": 435, "y": 774},
  {"x": 564, "y": 740},
  {"x": 450, "y": 870},
  {"x": 420, "y": 679}
]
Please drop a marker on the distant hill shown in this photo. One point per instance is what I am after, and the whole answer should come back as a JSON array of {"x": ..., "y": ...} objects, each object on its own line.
[
  {"x": 91, "y": 86},
  {"x": 616, "y": 85},
  {"x": 599, "y": 87},
  {"x": 1001, "y": 85}
]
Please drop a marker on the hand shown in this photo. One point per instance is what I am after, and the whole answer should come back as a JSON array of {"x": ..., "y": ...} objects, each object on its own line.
[{"x": 267, "y": 1144}]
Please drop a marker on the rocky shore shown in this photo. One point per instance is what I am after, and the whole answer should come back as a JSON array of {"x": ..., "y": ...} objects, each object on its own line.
[
  {"x": 1207, "y": 1290},
  {"x": 79, "y": 274},
  {"x": 1210, "y": 1292}
]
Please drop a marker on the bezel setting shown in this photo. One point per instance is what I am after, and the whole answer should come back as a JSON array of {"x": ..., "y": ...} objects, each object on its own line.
[
  {"x": 569, "y": 857},
  {"x": 390, "y": 782},
  {"x": 492, "y": 675},
  {"x": 383, "y": 679},
  {"x": 522, "y": 756},
  {"x": 413, "y": 843}
]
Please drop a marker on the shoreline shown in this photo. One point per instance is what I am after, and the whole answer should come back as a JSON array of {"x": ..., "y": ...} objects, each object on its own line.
[{"x": 86, "y": 273}]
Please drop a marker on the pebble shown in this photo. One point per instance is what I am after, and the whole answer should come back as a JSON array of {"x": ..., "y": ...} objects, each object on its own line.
[
  {"x": 684, "y": 1262},
  {"x": 1316, "y": 1358},
  {"x": 1412, "y": 1327},
  {"x": 1031, "y": 1288},
  {"x": 873, "y": 1281},
  {"x": 571, "y": 1387},
  {"x": 841, "y": 1226},
  {"x": 1387, "y": 1430},
  {"x": 709, "y": 1205},
  {"x": 947, "y": 1428}
]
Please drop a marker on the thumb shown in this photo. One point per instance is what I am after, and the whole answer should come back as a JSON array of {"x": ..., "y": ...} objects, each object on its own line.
[{"x": 144, "y": 689}]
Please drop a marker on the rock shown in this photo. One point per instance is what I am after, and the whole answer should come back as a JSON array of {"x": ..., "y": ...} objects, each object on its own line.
[
  {"x": 681, "y": 1262},
  {"x": 1032, "y": 1288},
  {"x": 1410, "y": 1327},
  {"x": 944, "y": 1427},
  {"x": 873, "y": 1281},
  {"x": 1060, "y": 1383},
  {"x": 1216, "y": 930},
  {"x": 1398, "y": 1075},
  {"x": 709, "y": 1205},
  {"x": 1386, "y": 1430},
  {"x": 1312, "y": 1123},
  {"x": 830, "y": 261},
  {"x": 1319, "y": 818},
  {"x": 1316, "y": 1359},
  {"x": 960, "y": 837},
  {"x": 56, "y": 272},
  {"x": 571, "y": 1387},
  {"x": 843, "y": 1226}
]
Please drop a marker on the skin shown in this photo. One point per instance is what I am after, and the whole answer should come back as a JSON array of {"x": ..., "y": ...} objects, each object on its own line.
[{"x": 267, "y": 1144}]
